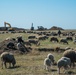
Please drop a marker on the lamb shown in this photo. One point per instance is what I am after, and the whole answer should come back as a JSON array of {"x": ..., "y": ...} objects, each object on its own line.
[
  {"x": 47, "y": 64},
  {"x": 49, "y": 61},
  {"x": 51, "y": 57},
  {"x": 7, "y": 57},
  {"x": 72, "y": 55},
  {"x": 63, "y": 62}
]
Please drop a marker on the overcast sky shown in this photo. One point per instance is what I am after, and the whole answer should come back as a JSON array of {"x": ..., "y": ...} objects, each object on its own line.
[{"x": 46, "y": 13}]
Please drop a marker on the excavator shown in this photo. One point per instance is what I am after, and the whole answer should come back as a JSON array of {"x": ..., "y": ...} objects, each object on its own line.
[{"x": 9, "y": 26}]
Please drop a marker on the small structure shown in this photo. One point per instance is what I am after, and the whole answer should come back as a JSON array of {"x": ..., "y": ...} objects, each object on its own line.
[{"x": 32, "y": 28}]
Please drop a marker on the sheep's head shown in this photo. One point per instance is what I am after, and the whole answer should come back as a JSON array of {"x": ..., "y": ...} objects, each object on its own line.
[{"x": 13, "y": 62}]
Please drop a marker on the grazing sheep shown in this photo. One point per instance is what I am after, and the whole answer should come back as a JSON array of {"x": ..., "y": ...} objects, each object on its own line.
[
  {"x": 54, "y": 39},
  {"x": 72, "y": 55},
  {"x": 69, "y": 38},
  {"x": 74, "y": 41},
  {"x": 31, "y": 37},
  {"x": 62, "y": 63},
  {"x": 33, "y": 41},
  {"x": 47, "y": 64},
  {"x": 44, "y": 37},
  {"x": 68, "y": 59},
  {"x": 7, "y": 57},
  {"x": 27, "y": 43},
  {"x": 51, "y": 57},
  {"x": 64, "y": 41}
]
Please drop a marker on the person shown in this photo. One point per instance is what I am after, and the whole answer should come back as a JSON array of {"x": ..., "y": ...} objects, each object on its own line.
[{"x": 59, "y": 33}]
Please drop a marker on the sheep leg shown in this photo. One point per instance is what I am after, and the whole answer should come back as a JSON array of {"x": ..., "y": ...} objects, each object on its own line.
[
  {"x": 13, "y": 65},
  {"x": 46, "y": 68},
  {"x": 73, "y": 64},
  {"x": 59, "y": 70},
  {"x": 5, "y": 64},
  {"x": 9, "y": 65},
  {"x": 49, "y": 67},
  {"x": 2, "y": 65}
]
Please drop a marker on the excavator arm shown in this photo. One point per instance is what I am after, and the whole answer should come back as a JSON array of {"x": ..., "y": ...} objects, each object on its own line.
[
  {"x": 9, "y": 25},
  {"x": 5, "y": 23}
]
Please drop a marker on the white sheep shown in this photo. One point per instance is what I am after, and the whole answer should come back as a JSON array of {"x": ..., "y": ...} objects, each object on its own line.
[
  {"x": 51, "y": 57},
  {"x": 7, "y": 57},
  {"x": 63, "y": 62},
  {"x": 47, "y": 64},
  {"x": 68, "y": 60}
]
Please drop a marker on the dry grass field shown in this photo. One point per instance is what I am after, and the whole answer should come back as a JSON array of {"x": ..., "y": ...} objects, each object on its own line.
[{"x": 32, "y": 63}]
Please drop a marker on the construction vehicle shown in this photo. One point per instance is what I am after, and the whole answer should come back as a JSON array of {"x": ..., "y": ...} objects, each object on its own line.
[{"x": 9, "y": 28}]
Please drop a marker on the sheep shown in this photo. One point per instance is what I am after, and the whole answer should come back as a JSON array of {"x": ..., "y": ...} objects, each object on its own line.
[
  {"x": 69, "y": 38},
  {"x": 51, "y": 57},
  {"x": 68, "y": 59},
  {"x": 72, "y": 55},
  {"x": 62, "y": 62},
  {"x": 64, "y": 41},
  {"x": 19, "y": 39},
  {"x": 44, "y": 37},
  {"x": 33, "y": 41},
  {"x": 11, "y": 45},
  {"x": 74, "y": 41},
  {"x": 22, "y": 48},
  {"x": 27, "y": 43},
  {"x": 47, "y": 64},
  {"x": 7, "y": 57},
  {"x": 54, "y": 39},
  {"x": 31, "y": 37}
]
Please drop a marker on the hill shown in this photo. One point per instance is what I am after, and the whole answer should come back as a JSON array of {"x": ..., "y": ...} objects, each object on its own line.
[{"x": 56, "y": 28}]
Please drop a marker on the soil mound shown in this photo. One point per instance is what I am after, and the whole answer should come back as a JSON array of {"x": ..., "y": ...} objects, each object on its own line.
[{"x": 56, "y": 28}]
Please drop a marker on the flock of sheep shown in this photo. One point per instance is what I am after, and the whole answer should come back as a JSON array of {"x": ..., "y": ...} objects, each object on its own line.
[{"x": 67, "y": 61}]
